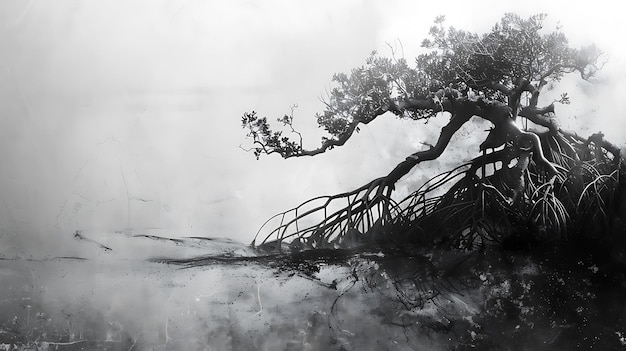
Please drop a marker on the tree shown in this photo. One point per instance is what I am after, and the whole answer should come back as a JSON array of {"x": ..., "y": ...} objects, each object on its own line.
[{"x": 547, "y": 178}]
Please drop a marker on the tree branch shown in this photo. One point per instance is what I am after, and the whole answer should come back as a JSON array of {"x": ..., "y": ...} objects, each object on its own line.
[
  {"x": 537, "y": 116},
  {"x": 439, "y": 103},
  {"x": 464, "y": 110}
]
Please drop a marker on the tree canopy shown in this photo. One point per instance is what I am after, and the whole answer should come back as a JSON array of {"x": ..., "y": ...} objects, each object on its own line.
[
  {"x": 458, "y": 66},
  {"x": 545, "y": 179}
]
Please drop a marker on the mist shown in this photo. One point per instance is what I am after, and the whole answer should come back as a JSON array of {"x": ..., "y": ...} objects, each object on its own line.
[
  {"x": 120, "y": 118},
  {"x": 118, "y": 114}
]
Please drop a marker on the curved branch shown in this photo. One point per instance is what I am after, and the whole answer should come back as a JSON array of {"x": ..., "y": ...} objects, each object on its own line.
[
  {"x": 441, "y": 101},
  {"x": 498, "y": 114},
  {"x": 537, "y": 116},
  {"x": 522, "y": 85},
  {"x": 528, "y": 141},
  {"x": 532, "y": 112},
  {"x": 598, "y": 139},
  {"x": 328, "y": 144},
  {"x": 570, "y": 68},
  {"x": 464, "y": 110},
  {"x": 505, "y": 156}
]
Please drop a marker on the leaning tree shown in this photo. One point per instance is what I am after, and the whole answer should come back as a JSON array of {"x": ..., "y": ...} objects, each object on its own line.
[{"x": 550, "y": 182}]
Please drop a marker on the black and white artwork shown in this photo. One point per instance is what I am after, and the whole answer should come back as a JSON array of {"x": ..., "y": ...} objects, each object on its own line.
[{"x": 320, "y": 175}]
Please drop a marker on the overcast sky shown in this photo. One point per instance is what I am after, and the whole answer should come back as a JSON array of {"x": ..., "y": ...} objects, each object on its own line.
[{"x": 117, "y": 114}]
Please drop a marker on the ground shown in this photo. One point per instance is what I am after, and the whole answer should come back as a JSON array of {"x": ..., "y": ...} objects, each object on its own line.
[{"x": 134, "y": 290}]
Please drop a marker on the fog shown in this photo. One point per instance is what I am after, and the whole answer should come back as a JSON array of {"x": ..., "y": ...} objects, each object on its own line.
[
  {"x": 122, "y": 117},
  {"x": 125, "y": 114}
]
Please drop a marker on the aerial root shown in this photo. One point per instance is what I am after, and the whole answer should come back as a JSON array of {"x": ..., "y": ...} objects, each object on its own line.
[{"x": 460, "y": 207}]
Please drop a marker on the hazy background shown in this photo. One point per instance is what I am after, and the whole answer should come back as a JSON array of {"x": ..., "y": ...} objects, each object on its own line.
[{"x": 126, "y": 114}]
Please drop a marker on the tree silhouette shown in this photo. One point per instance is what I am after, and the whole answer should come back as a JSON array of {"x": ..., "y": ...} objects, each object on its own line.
[{"x": 551, "y": 183}]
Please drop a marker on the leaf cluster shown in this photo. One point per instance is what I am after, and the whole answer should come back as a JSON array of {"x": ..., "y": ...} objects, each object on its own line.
[
  {"x": 515, "y": 48},
  {"x": 267, "y": 141}
]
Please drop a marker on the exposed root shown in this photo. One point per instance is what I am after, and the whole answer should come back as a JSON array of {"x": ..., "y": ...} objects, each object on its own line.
[{"x": 462, "y": 210}]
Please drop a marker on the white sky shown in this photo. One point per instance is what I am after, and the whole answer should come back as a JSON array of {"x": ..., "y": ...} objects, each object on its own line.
[{"x": 125, "y": 113}]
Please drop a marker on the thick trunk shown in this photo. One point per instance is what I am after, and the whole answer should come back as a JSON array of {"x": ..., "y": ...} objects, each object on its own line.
[
  {"x": 537, "y": 116},
  {"x": 501, "y": 115}
]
